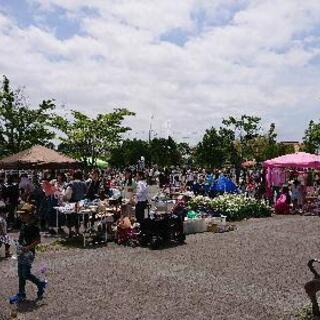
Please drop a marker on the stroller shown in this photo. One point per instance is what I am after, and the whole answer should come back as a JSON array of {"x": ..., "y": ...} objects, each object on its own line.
[
  {"x": 128, "y": 237},
  {"x": 162, "y": 229}
]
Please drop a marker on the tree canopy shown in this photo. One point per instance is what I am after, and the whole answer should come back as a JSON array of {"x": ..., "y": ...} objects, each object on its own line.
[
  {"x": 164, "y": 152},
  {"x": 212, "y": 151},
  {"x": 129, "y": 152},
  {"x": 23, "y": 126},
  {"x": 91, "y": 138},
  {"x": 237, "y": 140},
  {"x": 311, "y": 138}
]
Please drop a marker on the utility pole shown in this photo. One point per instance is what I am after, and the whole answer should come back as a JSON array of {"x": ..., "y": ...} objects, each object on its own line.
[{"x": 150, "y": 128}]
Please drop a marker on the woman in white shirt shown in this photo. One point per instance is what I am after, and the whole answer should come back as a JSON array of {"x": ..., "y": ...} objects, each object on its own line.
[
  {"x": 129, "y": 186},
  {"x": 141, "y": 196}
]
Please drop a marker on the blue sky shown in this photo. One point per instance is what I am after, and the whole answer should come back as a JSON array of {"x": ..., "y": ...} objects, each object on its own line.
[
  {"x": 56, "y": 19},
  {"x": 189, "y": 63}
]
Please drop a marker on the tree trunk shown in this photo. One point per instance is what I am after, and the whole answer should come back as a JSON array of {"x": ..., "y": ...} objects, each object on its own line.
[{"x": 238, "y": 172}]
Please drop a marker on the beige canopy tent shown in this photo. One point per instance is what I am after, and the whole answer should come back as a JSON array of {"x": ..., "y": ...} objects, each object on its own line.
[{"x": 38, "y": 157}]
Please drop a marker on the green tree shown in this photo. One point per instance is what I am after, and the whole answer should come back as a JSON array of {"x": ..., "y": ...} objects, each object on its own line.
[
  {"x": 22, "y": 126},
  {"x": 270, "y": 146},
  {"x": 311, "y": 138},
  {"x": 164, "y": 152},
  {"x": 237, "y": 140},
  {"x": 161, "y": 151},
  {"x": 284, "y": 149},
  {"x": 129, "y": 152},
  {"x": 211, "y": 152},
  {"x": 92, "y": 138},
  {"x": 272, "y": 134},
  {"x": 265, "y": 146},
  {"x": 244, "y": 131}
]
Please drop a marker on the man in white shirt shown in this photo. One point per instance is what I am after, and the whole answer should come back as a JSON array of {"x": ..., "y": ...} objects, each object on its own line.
[
  {"x": 190, "y": 178},
  {"x": 141, "y": 196}
]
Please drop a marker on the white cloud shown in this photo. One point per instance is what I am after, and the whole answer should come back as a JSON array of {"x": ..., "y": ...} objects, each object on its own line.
[{"x": 257, "y": 61}]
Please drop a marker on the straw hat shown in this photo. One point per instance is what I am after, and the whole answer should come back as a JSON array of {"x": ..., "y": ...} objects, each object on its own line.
[{"x": 26, "y": 208}]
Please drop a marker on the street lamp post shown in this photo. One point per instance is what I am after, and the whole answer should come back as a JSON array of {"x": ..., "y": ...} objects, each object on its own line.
[{"x": 150, "y": 128}]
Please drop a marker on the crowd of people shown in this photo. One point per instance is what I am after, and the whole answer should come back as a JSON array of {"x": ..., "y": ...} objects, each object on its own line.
[
  {"x": 295, "y": 197},
  {"x": 49, "y": 188},
  {"x": 28, "y": 201},
  {"x": 45, "y": 190}
]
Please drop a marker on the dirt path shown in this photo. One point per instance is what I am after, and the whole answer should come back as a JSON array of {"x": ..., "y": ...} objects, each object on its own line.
[{"x": 257, "y": 272}]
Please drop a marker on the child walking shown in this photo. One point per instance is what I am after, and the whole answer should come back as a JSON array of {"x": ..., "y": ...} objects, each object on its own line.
[{"x": 29, "y": 238}]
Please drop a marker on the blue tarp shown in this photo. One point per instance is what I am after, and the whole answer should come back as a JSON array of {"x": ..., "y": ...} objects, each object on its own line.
[{"x": 224, "y": 184}]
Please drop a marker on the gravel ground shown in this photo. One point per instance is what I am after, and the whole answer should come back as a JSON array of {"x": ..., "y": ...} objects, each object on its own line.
[{"x": 256, "y": 272}]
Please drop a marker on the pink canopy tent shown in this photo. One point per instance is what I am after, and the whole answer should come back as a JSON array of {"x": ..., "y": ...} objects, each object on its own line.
[{"x": 299, "y": 160}]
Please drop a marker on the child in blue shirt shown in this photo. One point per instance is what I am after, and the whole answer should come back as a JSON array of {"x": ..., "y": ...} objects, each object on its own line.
[{"x": 29, "y": 238}]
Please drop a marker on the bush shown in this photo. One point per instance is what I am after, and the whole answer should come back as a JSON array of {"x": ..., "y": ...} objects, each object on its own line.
[{"x": 235, "y": 207}]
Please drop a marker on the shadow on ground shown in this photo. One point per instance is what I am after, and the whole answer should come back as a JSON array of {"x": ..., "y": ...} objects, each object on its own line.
[{"x": 30, "y": 306}]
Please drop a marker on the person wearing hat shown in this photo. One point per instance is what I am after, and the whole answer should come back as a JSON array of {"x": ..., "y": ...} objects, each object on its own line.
[
  {"x": 29, "y": 238},
  {"x": 4, "y": 237}
]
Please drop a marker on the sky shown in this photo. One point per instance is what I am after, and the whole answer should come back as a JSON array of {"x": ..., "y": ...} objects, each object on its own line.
[{"x": 181, "y": 65}]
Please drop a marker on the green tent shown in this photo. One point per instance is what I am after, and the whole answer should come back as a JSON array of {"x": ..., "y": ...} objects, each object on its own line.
[{"x": 99, "y": 163}]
